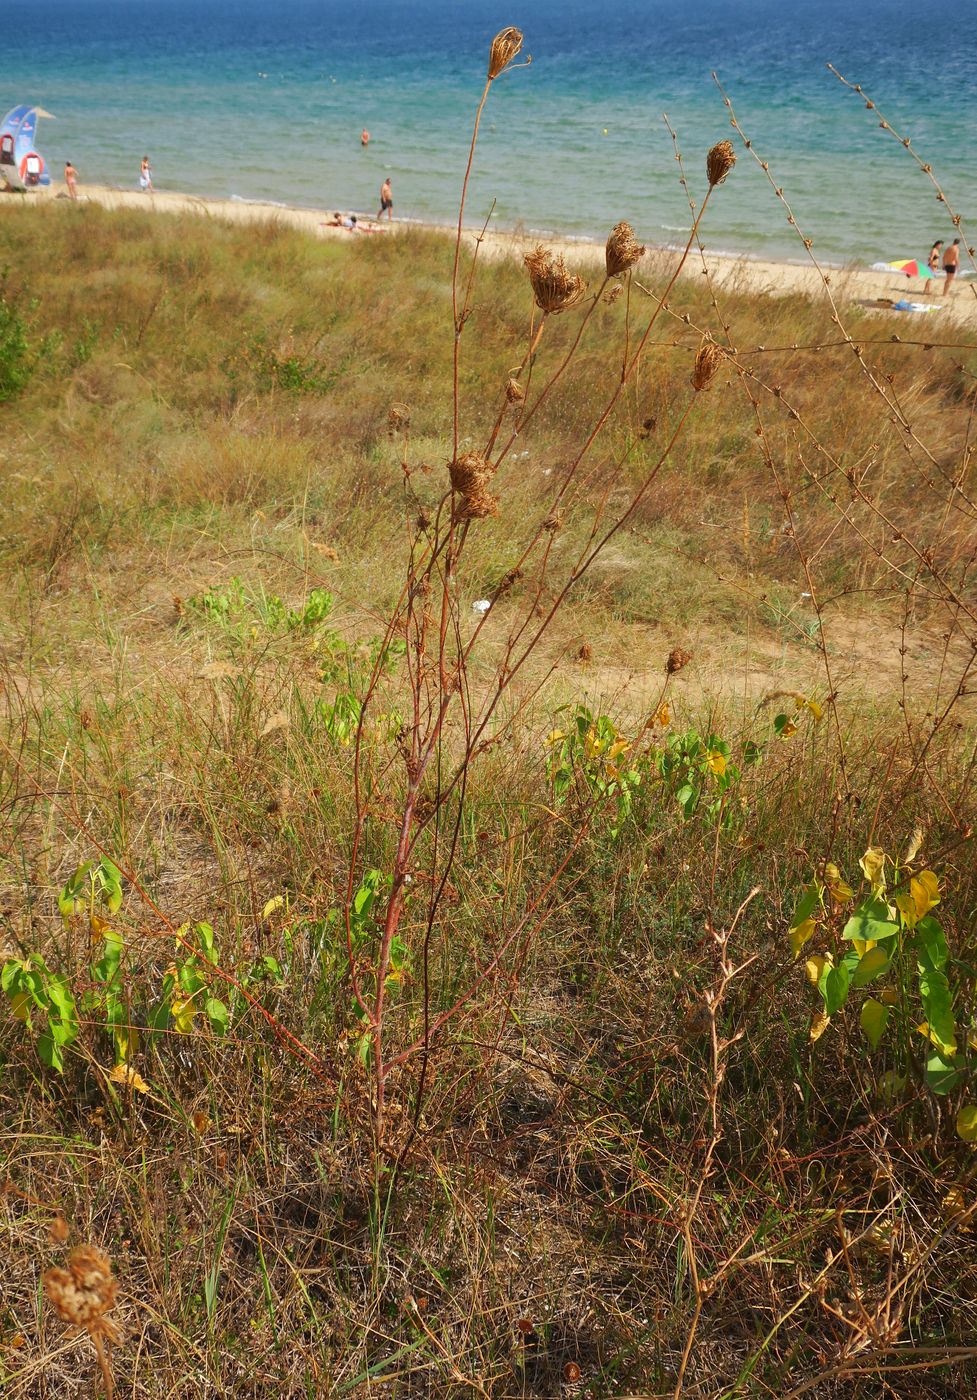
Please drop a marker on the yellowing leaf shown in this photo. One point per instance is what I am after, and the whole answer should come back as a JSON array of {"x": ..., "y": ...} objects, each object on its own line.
[
  {"x": 863, "y": 945},
  {"x": 946, "y": 1048},
  {"x": 889, "y": 996},
  {"x": 788, "y": 730},
  {"x": 716, "y": 762},
  {"x": 872, "y": 1021},
  {"x": 554, "y": 737},
  {"x": 662, "y": 716},
  {"x": 814, "y": 968},
  {"x": 130, "y": 1077},
  {"x": 126, "y": 1042},
  {"x": 819, "y": 1024},
  {"x": 799, "y": 935},
  {"x": 871, "y": 965},
  {"x": 19, "y": 1006},
  {"x": 913, "y": 848},
  {"x": 816, "y": 711},
  {"x": 201, "y": 1121},
  {"x": 840, "y": 890},
  {"x": 99, "y": 927},
  {"x": 925, "y": 890},
  {"x": 272, "y": 907},
  {"x": 183, "y": 1012},
  {"x": 873, "y": 867},
  {"x": 617, "y": 748},
  {"x": 967, "y": 1122}
]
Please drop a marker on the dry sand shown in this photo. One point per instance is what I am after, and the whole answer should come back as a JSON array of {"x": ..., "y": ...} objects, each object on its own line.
[{"x": 850, "y": 284}]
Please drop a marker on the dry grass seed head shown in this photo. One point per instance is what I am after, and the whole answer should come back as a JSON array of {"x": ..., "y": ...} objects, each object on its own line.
[
  {"x": 677, "y": 658},
  {"x": 470, "y": 475},
  {"x": 505, "y": 46},
  {"x": 708, "y": 360},
  {"x": 554, "y": 288},
  {"x": 720, "y": 161},
  {"x": 622, "y": 250}
]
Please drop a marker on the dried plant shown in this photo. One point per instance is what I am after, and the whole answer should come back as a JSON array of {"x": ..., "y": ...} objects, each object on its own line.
[
  {"x": 554, "y": 288},
  {"x": 470, "y": 475},
  {"x": 505, "y": 46},
  {"x": 514, "y": 391},
  {"x": 677, "y": 658},
  {"x": 719, "y": 162},
  {"x": 82, "y": 1295},
  {"x": 622, "y": 250},
  {"x": 708, "y": 360}
]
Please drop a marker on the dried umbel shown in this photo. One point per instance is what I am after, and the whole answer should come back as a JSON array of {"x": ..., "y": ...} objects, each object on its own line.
[
  {"x": 708, "y": 360},
  {"x": 514, "y": 391},
  {"x": 84, "y": 1292},
  {"x": 505, "y": 46},
  {"x": 720, "y": 161},
  {"x": 398, "y": 419},
  {"x": 677, "y": 658},
  {"x": 470, "y": 475},
  {"x": 554, "y": 288},
  {"x": 623, "y": 250}
]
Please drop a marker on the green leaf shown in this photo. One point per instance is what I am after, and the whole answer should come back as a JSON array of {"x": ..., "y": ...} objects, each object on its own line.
[
  {"x": 216, "y": 1013},
  {"x": 931, "y": 947},
  {"x": 943, "y": 1078},
  {"x": 934, "y": 992},
  {"x": 807, "y": 904},
  {"x": 835, "y": 989},
  {"x": 873, "y": 964},
  {"x": 870, "y": 922},
  {"x": 50, "y": 1052},
  {"x": 872, "y": 1020},
  {"x": 967, "y": 1122},
  {"x": 205, "y": 942}
]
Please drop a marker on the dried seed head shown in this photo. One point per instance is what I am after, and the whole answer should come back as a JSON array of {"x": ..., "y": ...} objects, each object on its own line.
[
  {"x": 677, "y": 658},
  {"x": 505, "y": 46},
  {"x": 555, "y": 289},
  {"x": 83, "y": 1292},
  {"x": 612, "y": 293},
  {"x": 398, "y": 419},
  {"x": 470, "y": 475},
  {"x": 622, "y": 251},
  {"x": 514, "y": 391},
  {"x": 720, "y": 161},
  {"x": 586, "y": 652},
  {"x": 708, "y": 360}
]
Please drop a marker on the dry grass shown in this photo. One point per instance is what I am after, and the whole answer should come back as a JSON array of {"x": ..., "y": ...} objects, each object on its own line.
[{"x": 216, "y": 407}]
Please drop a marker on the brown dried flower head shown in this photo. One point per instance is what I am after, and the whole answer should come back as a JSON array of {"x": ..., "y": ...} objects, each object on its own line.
[
  {"x": 398, "y": 418},
  {"x": 505, "y": 46},
  {"x": 708, "y": 360},
  {"x": 720, "y": 161},
  {"x": 612, "y": 293},
  {"x": 677, "y": 658},
  {"x": 470, "y": 475},
  {"x": 514, "y": 391},
  {"x": 84, "y": 1292},
  {"x": 555, "y": 289},
  {"x": 623, "y": 250}
]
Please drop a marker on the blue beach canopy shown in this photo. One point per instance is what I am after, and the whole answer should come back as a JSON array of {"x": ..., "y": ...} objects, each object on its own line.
[{"x": 21, "y": 164}]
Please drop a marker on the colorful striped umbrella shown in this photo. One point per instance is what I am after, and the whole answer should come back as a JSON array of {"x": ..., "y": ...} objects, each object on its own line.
[{"x": 912, "y": 267}]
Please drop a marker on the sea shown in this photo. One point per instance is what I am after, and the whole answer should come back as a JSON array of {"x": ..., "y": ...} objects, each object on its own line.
[{"x": 265, "y": 100}]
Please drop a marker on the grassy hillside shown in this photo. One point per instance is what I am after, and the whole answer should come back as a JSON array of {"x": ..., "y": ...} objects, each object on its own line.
[{"x": 603, "y": 1142}]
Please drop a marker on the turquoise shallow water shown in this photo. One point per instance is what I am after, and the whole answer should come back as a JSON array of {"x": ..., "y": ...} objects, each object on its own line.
[{"x": 182, "y": 80}]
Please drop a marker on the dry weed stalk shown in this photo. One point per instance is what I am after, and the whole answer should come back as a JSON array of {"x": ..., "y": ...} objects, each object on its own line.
[{"x": 82, "y": 1295}]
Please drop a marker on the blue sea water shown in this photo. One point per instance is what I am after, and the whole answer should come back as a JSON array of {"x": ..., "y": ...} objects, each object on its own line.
[{"x": 265, "y": 99}]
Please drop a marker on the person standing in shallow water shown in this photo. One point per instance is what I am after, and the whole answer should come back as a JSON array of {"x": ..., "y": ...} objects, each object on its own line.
[
  {"x": 71, "y": 179},
  {"x": 364, "y": 137},
  {"x": 386, "y": 200},
  {"x": 951, "y": 265}
]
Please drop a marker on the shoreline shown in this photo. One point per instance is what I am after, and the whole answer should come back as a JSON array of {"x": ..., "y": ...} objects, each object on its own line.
[{"x": 738, "y": 272}]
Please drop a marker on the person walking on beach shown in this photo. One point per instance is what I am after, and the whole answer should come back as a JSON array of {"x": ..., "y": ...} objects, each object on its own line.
[
  {"x": 71, "y": 179},
  {"x": 146, "y": 175},
  {"x": 951, "y": 264},
  {"x": 933, "y": 261},
  {"x": 386, "y": 200}
]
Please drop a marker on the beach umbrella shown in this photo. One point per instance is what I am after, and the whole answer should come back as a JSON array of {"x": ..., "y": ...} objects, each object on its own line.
[{"x": 912, "y": 267}]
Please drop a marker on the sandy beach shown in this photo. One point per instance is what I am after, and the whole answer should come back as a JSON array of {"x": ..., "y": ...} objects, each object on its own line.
[{"x": 852, "y": 284}]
